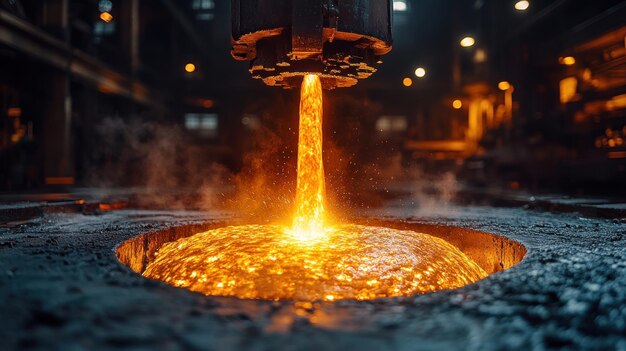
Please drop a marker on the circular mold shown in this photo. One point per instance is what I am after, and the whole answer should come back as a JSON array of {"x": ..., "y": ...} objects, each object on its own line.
[{"x": 491, "y": 252}]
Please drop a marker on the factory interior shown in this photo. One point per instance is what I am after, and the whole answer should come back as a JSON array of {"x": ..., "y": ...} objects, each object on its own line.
[{"x": 312, "y": 174}]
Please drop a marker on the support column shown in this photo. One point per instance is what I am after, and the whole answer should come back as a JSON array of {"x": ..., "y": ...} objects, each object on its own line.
[
  {"x": 57, "y": 134},
  {"x": 58, "y": 168},
  {"x": 129, "y": 27}
]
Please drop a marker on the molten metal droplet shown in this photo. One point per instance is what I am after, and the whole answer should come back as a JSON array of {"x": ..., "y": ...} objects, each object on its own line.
[{"x": 312, "y": 260}]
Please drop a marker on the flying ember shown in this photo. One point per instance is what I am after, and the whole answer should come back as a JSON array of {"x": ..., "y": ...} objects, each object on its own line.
[{"x": 312, "y": 259}]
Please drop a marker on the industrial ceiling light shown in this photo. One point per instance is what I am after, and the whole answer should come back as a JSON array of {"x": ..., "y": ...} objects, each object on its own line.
[
  {"x": 522, "y": 5},
  {"x": 567, "y": 60},
  {"x": 399, "y": 6},
  {"x": 190, "y": 68},
  {"x": 504, "y": 85},
  {"x": 106, "y": 17},
  {"x": 420, "y": 72},
  {"x": 468, "y": 42}
]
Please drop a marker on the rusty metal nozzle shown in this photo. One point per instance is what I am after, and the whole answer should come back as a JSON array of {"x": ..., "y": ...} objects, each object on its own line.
[{"x": 340, "y": 41}]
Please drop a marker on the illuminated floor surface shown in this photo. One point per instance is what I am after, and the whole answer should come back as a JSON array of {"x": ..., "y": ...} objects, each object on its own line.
[
  {"x": 352, "y": 262},
  {"x": 65, "y": 290}
]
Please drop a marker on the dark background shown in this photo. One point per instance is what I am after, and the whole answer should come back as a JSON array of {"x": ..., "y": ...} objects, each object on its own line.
[{"x": 90, "y": 103}]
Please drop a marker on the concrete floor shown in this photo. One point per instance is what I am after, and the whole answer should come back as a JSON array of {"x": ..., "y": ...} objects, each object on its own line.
[{"x": 62, "y": 288}]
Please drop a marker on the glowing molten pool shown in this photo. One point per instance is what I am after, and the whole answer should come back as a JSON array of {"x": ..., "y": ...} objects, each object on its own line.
[
  {"x": 352, "y": 262},
  {"x": 312, "y": 259}
]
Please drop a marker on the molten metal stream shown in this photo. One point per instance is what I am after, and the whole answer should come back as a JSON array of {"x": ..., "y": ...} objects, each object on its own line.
[
  {"x": 312, "y": 259},
  {"x": 308, "y": 222}
]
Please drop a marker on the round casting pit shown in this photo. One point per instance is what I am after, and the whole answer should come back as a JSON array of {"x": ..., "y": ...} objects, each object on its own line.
[{"x": 356, "y": 262}]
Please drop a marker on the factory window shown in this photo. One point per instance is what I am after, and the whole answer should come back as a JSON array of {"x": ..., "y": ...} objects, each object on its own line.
[
  {"x": 105, "y": 5},
  {"x": 567, "y": 88},
  {"x": 102, "y": 28},
  {"x": 204, "y": 16},
  {"x": 399, "y": 5},
  {"x": 204, "y": 123},
  {"x": 203, "y": 9},
  {"x": 387, "y": 124},
  {"x": 203, "y": 4}
]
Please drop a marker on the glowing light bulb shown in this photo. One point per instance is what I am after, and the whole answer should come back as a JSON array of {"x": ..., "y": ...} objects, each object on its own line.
[
  {"x": 106, "y": 17},
  {"x": 420, "y": 72},
  {"x": 407, "y": 82},
  {"x": 504, "y": 85},
  {"x": 457, "y": 104},
  {"x": 567, "y": 60},
  {"x": 468, "y": 42},
  {"x": 522, "y": 5},
  {"x": 190, "y": 68}
]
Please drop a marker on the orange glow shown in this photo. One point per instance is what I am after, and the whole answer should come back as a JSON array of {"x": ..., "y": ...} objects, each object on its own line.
[
  {"x": 457, "y": 104},
  {"x": 467, "y": 42},
  {"x": 353, "y": 262},
  {"x": 504, "y": 85},
  {"x": 60, "y": 180},
  {"x": 207, "y": 103},
  {"x": 312, "y": 259},
  {"x": 617, "y": 154},
  {"x": 617, "y": 102},
  {"x": 567, "y": 89},
  {"x": 14, "y": 112},
  {"x": 190, "y": 68},
  {"x": 109, "y": 206},
  {"x": 308, "y": 222},
  {"x": 567, "y": 60},
  {"x": 407, "y": 82},
  {"x": 106, "y": 17}
]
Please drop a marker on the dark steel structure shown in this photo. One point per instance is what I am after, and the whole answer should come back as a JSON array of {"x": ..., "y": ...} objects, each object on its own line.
[{"x": 341, "y": 41}]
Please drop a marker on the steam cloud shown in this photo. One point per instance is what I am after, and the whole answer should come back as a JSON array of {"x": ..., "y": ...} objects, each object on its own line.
[{"x": 165, "y": 168}]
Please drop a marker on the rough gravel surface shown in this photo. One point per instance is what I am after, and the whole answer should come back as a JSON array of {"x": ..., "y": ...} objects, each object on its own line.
[{"x": 62, "y": 288}]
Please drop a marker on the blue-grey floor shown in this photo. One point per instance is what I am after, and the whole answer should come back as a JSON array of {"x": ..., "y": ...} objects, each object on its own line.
[{"x": 61, "y": 288}]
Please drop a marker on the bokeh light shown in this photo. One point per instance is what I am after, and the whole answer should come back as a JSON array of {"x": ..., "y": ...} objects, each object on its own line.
[
  {"x": 420, "y": 72},
  {"x": 504, "y": 85},
  {"x": 106, "y": 17},
  {"x": 190, "y": 68},
  {"x": 468, "y": 42},
  {"x": 522, "y": 5},
  {"x": 567, "y": 60}
]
